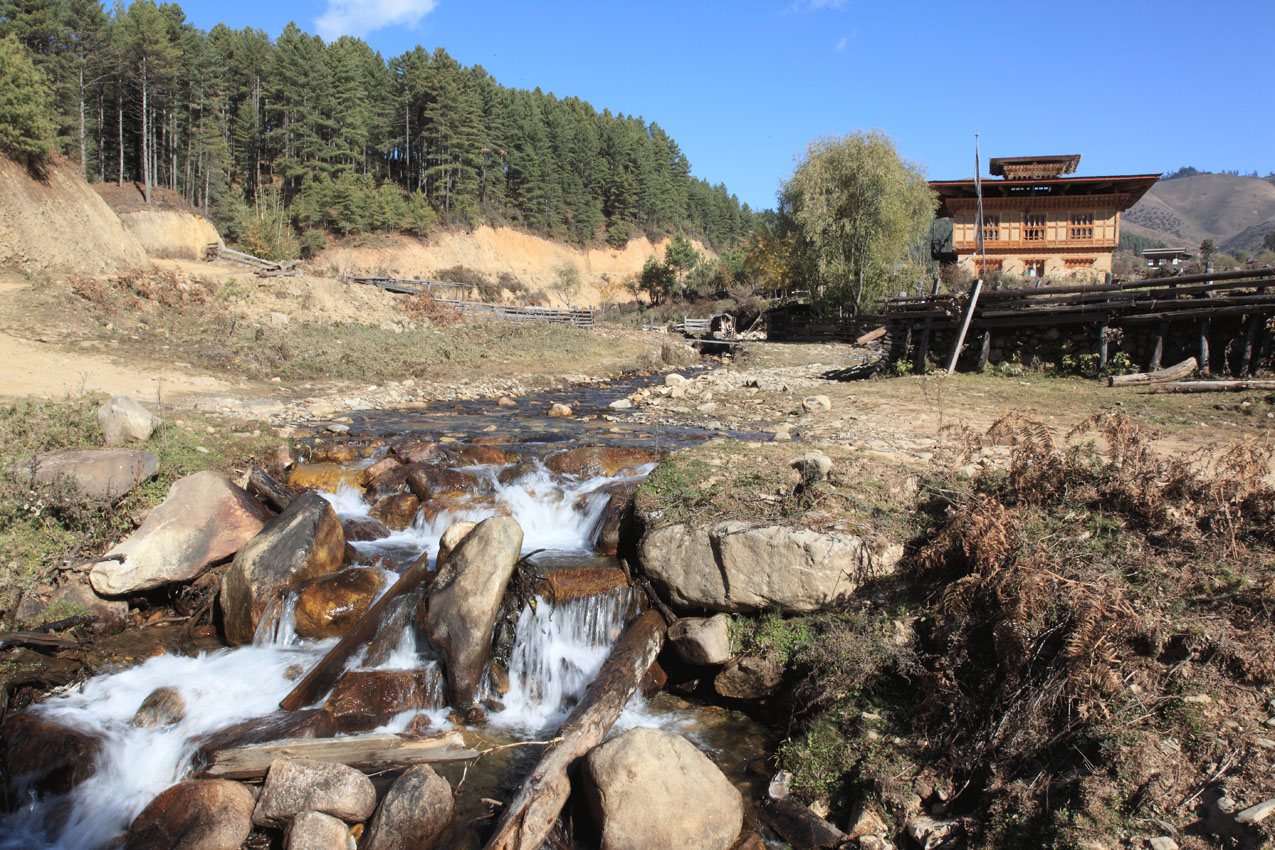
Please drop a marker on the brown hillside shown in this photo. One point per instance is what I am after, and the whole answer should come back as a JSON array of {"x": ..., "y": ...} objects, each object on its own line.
[
  {"x": 169, "y": 227},
  {"x": 1228, "y": 209},
  {"x": 54, "y": 223}
]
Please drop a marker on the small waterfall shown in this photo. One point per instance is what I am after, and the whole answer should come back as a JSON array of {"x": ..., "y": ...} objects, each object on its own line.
[{"x": 558, "y": 649}]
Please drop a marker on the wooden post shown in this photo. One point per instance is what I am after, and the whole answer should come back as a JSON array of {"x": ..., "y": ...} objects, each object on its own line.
[
  {"x": 1206, "y": 327},
  {"x": 1102, "y": 346},
  {"x": 965, "y": 325},
  {"x": 1156, "y": 353},
  {"x": 923, "y": 350},
  {"x": 984, "y": 350}
]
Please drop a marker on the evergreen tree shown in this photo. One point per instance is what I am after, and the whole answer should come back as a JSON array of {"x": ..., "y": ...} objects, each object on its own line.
[{"x": 25, "y": 129}]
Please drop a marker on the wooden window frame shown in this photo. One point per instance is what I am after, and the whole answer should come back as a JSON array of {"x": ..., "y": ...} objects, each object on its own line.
[
  {"x": 1030, "y": 264},
  {"x": 1081, "y": 226},
  {"x": 991, "y": 228},
  {"x": 1078, "y": 262},
  {"x": 1034, "y": 225}
]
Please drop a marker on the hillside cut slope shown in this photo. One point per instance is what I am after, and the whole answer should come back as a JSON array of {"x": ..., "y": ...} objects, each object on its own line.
[
  {"x": 54, "y": 223},
  {"x": 168, "y": 228},
  {"x": 1235, "y": 212}
]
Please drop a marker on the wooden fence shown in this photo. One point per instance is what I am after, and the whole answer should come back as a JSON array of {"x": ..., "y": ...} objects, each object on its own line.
[
  {"x": 1154, "y": 304},
  {"x": 459, "y": 292},
  {"x": 404, "y": 286}
]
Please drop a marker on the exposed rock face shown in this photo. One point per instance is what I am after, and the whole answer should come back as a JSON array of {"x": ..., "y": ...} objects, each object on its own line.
[
  {"x": 593, "y": 461},
  {"x": 329, "y": 605},
  {"x": 565, "y": 585},
  {"x": 702, "y": 641},
  {"x": 302, "y": 542},
  {"x": 45, "y": 755},
  {"x": 415, "y": 810},
  {"x": 749, "y": 677},
  {"x": 365, "y": 699},
  {"x": 104, "y": 474},
  {"x": 328, "y": 477},
  {"x": 204, "y": 519},
  {"x": 300, "y": 785},
  {"x": 212, "y": 814},
  {"x": 463, "y": 602},
  {"x": 736, "y": 566},
  {"x": 316, "y": 831},
  {"x": 124, "y": 421},
  {"x": 651, "y": 790}
]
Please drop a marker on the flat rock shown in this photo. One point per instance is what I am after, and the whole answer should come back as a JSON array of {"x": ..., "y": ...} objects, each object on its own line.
[
  {"x": 101, "y": 474},
  {"x": 303, "y": 542},
  {"x": 209, "y": 814},
  {"x": 741, "y": 567},
  {"x": 294, "y": 786},
  {"x": 652, "y": 790},
  {"x": 596, "y": 461},
  {"x": 328, "y": 477},
  {"x": 415, "y": 810},
  {"x": 562, "y": 586},
  {"x": 204, "y": 519},
  {"x": 125, "y": 421}
]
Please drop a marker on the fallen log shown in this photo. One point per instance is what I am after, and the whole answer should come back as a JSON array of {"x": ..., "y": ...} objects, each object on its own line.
[
  {"x": 37, "y": 639},
  {"x": 269, "y": 489},
  {"x": 1176, "y": 372},
  {"x": 533, "y": 811},
  {"x": 324, "y": 675},
  {"x": 366, "y": 752},
  {"x": 1215, "y": 387},
  {"x": 870, "y": 336}
]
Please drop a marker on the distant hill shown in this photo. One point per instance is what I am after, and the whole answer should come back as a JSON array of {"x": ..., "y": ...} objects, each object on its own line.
[{"x": 1235, "y": 212}]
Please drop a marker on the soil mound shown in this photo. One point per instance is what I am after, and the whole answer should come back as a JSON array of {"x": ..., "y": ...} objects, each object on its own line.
[{"x": 53, "y": 223}]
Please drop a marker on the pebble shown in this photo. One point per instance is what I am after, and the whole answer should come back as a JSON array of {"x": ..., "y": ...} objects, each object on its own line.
[{"x": 1163, "y": 842}]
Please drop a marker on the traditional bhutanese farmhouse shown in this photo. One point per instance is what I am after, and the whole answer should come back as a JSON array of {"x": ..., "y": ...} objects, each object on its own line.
[{"x": 1038, "y": 222}]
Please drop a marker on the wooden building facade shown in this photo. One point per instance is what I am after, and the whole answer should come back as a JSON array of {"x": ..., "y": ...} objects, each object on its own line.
[{"x": 1037, "y": 222}]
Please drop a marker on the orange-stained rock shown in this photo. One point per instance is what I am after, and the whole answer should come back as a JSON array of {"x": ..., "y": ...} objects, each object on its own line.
[
  {"x": 329, "y": 605},
  {"x": 365, "y": 699},
  {"x": 324, "y": 476},
  {"x": 370, "y": 473},
  {"x": 397, "y": 512},
  {"x": 358, "y": 529},
  {"x": 611, "y": 524},
  {"x": 565, "y": 585},
  {"x": 431, "y": 483},
  {"x": 480, "y": 455},
  {"x": 418, "y": 452},
  {"x": 592, "y": 461}
]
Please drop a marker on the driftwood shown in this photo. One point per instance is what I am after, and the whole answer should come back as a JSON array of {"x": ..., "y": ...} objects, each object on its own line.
[
  {"x": 1175, "y": 372},
  {"x": 366, "y": 752},
  {"x": 533, "y": 811},
  {"x": 36, "y": 639},
  {"x": 269, "y": 489},
  {"x": 324, "y": 675},
  {"x": 392, "y": 630},
  {"x": 1215, "y": 387}
]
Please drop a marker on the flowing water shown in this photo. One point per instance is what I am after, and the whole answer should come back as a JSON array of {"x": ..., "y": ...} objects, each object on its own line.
[{"x": 557, "y": 649}]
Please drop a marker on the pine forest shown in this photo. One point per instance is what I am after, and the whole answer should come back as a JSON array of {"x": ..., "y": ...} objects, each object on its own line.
[{"x": 332, "y": 137}]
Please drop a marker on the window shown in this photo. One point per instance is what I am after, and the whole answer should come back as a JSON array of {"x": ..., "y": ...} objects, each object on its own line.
[
  {"x": 985, "y": 266},
  {"x": 1081, "y": 226},
  {"x": 1078, "y": 263},
  {"x": 991, "y": 228},
  {"x": 1034, "y": 227},
  {"x": 1034, "y": 268}
]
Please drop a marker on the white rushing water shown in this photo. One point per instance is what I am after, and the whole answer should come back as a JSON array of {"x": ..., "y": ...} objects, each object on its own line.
[{"x": 557, "y": 651}]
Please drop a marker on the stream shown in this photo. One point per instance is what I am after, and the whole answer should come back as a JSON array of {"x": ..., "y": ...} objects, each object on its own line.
[{"x": 556, "y": 648}]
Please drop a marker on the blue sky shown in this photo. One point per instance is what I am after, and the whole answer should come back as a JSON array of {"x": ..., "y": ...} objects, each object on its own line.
[{"x": 1135, "y": 87}]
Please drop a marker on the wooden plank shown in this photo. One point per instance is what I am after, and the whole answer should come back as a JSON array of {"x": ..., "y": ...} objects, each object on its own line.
[
  {"x": 366, "y": 752},
  {"x": 965, "y": 325}
]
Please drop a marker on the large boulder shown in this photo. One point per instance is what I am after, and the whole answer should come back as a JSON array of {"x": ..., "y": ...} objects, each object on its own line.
[
  {"x": 209, "y": 814},
  {"x": 43, "y": 755},
  {"x": 102, "y": 474},
  {"x": 125, "y": 421},
  {"x": 415, "y": 810},
  {"x": 595, "y": 461},
  {"x": 294, "y": 786},
  {"x": 329, "y": 605},
  {"x": 464, "y": 600},
  {"x": 651, "y": 790},
  {"x": 302, "y": 542},
  {"x": 702, "y": 641},
  {"x": 738, "y": 567},
  {"x": 204, "y": 519}
]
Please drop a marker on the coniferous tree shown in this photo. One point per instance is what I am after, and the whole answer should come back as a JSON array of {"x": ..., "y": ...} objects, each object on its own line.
[{"x": 25, "y": 128}]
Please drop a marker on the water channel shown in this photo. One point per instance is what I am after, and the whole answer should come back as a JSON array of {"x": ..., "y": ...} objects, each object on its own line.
[{"x": 557, "y": 648}]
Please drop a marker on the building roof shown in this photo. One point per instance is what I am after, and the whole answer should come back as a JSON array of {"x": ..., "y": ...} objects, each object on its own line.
[
  {"x": 1165, "y": 253},
  {"x": 1131, "y": 187},
  {"x": 1033, "y": 167}
]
